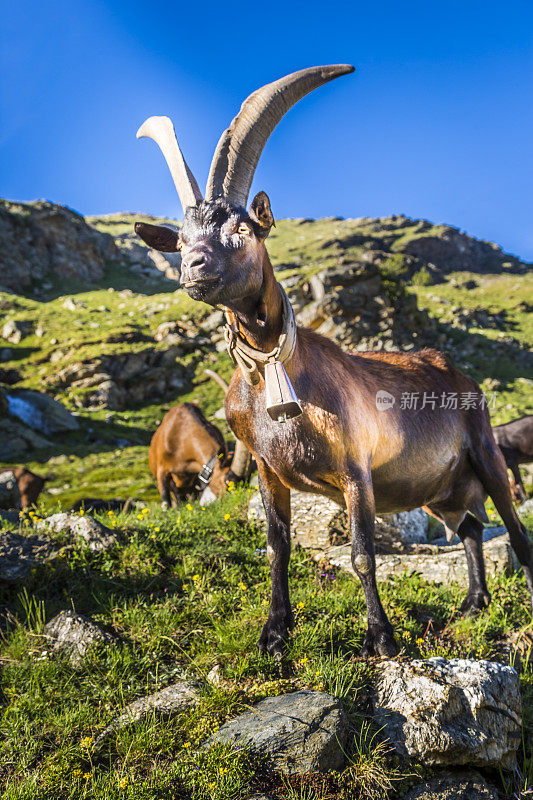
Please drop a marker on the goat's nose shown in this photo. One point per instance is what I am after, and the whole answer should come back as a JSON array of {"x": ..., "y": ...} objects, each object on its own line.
[{"x": 195, "y": 261}]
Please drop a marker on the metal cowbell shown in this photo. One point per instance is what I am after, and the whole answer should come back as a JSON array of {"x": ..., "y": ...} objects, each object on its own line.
[{"x": 281, "y": 401}]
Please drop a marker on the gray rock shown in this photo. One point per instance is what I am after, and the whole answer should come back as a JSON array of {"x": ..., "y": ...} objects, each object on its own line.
[
  {"x": 15, "y": 330},
  {"x": 9, "y": 490},
  {"x": 318, "y": 523},
  {"x": 261, "y": 797},
  {"x": 19, "y": 441},
  {"x": 462, "y": 785},
  {"x": 41, "y": 239},
  {"x": 526, "y": 508},
  {"x": 19, "y": 554},
  {"x": 454, "y": 712},
  {"x": 83, "y": 528},
  {"x": 446, "y": 564},
  {"x": 41, "y": 412},
  {"x": 73, "y": 634},
  {"x": 405, "y": 527},
  {"x": 300, "y": 732},
  {"x": 173, "y": 699}
]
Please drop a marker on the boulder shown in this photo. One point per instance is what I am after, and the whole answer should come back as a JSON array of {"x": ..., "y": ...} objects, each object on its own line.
[
  {"x": 299, "y": 732},
  {"x": 41, "y": 412},
  {"x": 9, "y": 490},
  {"x": 174, "y": 699},
  {"x": 19, "y": 554},
  {"x": 461, "y": 785},
  {"x": 73, "y": 634},
  {"x": 15, "y": 330},
  {"x": 118, "y": 380},
  {"x": 318, "y": 523},
  {"x": 18, "y": 441},
  {"x": 85, "y": 529},
  {"x": 454, "y": 712}
]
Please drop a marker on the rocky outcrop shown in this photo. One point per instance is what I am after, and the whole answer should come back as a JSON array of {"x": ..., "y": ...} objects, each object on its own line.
[
  {"x": 82, "y": 529},
  {"x": 20, "y": 554},
  {"x": 440, "y": 564},
  {"x": 174, "y": 699},
  {"x": 321, "y": 526},
  {"x": 350, "y": 304},
  {"x": 298, "y": 733},
  {"x": 456, "y": 712},
  {"x": 43, "y": 240},
  {"x": 15, "y": 330},
  {"x": 116, "y": 381},
  {"x": 318, "y": 524},
  {"x": 9, "y": 490},
  {"x": 146, "y": 262},
  {"x": 73, "y": 634},
  {"x": 40, "y": 412},
  {"x": 18, "y": 441},
  {"x": 461, "y": 785}
]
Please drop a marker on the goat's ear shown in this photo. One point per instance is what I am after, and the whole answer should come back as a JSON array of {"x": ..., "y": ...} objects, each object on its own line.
[
  {"x": 261, "y": 213},
  {"x": 158, "y": 237}
]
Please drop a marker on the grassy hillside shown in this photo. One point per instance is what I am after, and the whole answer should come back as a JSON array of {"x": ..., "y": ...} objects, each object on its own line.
[{"x": 119, "y": 314}]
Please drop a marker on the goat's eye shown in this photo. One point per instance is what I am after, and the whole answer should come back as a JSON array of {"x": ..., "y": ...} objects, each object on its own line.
[
  {"x": 179, "y": 244},
  {"x": 243, "y": 229}
]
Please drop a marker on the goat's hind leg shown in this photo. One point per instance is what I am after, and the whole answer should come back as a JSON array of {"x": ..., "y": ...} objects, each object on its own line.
[
  {"x": 379, "y": 639},
  {"x": 470, "y": 533},
  {"x": 491, "y": 470}
]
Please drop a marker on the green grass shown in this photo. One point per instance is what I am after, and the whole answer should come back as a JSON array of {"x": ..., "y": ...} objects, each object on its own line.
[{"x": 187, "y": 590}]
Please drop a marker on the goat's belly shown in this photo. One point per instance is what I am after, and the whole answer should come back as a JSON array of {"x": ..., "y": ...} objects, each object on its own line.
[{"x": 404, "y": 484}]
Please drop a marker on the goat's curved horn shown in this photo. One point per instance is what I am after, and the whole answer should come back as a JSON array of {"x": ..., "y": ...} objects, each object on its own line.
[
  {"x": 161, "y": 130},
  {"x": 216, "y": 377},
  {"x": 240, "y": 464},
  {"x": 241, "y": 145}
]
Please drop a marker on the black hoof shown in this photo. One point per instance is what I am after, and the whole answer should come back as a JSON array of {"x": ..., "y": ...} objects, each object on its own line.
[
  {"x": 379, "y": 644},
  {"x": 273, "y": 639},
  {"x": 475, "y": 602}
]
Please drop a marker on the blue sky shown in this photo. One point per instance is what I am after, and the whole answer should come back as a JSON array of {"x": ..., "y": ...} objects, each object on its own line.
[{"x": 435, "y": 123}]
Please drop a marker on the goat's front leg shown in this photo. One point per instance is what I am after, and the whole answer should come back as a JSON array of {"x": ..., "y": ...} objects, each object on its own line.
[
  {"x": 379, "y": 639},
  {"x": 277, "y": 502}
]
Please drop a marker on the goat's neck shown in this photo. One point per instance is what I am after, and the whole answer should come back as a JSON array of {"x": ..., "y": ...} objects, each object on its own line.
[{"x": 260, "y": 316}]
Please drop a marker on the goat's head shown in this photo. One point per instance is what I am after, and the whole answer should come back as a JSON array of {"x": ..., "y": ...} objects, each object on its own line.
[{"x": 222, "y": 244}]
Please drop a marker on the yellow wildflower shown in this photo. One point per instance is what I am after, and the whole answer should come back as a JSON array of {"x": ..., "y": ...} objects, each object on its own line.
[
  {"x": 157, "y": 529},
  {"x": 189, "y": 507},
  {"x": 227, "y": 516},
  {"x": 123, "y": 782},
  {"x": 299, "y": 606},
  {"x": 196, "y": 578},
  {"x": 86, "y": 741}
]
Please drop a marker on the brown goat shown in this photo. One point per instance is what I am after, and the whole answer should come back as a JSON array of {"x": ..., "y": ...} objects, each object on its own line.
[
  {"x": 188, "y": 455},
  {"x": 369, "y": 455},
  {"x": 27, "y": 488},
  {"x": 515, "y": 440}
]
